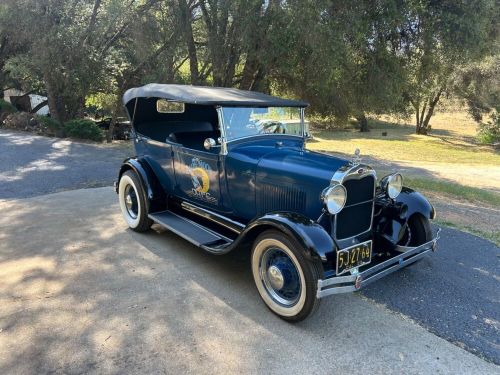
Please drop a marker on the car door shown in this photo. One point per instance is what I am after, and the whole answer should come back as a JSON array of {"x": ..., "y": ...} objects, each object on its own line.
[{"x": 197, "y": 176}]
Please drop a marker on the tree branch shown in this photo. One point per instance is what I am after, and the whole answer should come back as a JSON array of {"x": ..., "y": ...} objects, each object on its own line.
[{"x": 92, "y": 22}]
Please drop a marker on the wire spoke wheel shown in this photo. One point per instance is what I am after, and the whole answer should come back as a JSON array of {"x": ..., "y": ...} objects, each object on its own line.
[{"x": 131, "y": 201}]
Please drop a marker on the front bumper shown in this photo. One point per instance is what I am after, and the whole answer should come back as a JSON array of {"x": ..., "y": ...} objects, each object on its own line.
[{"x": 351, "y": 283}]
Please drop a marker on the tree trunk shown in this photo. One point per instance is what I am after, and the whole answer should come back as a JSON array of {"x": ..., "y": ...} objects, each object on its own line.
[
  {"x": 116, "y": 112},
  {"x": 430, "y": 112},
  {"x": 363, "y": 123},
  {"x": 253, "y": 71},
  {"x": 191, "y": 47},
  {"x": 423, "y": 117},
  {"x": 54, "y": 103}
]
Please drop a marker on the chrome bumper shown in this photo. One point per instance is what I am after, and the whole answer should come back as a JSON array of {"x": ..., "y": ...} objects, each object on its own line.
[{"x": 351, "y": 283}]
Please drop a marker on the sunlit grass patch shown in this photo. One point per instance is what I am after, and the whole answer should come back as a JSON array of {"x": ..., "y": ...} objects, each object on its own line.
[
  {"x": 492, "y": 236},
  {"x": 448, "y": 143},
  {"x": 456, "y": 190}
]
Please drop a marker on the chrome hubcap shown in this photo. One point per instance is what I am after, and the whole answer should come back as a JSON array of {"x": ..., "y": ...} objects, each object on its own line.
[
  {"x": 280, "y": 277},
  {"x": 275, "y": 277},
  {"x": 131, "y": 203},
  {"x": 128, "y": 201}
]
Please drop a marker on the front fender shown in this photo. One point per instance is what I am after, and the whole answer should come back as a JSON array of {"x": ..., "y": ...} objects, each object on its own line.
[
  {"x": 391, "y": 223},
  {"x": 415, "y": 203},
  {"x": 315, "y": 241}
]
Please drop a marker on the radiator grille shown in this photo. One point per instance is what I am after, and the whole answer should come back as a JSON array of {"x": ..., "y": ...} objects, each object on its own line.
[
  {"x": 359, "y": 190},
  {"x": 356, "y": 217},
  {"x": 281, "y": 198}
]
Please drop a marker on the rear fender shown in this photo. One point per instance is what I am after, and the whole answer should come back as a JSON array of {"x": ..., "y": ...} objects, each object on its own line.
[{"x": 154, "y": 191}]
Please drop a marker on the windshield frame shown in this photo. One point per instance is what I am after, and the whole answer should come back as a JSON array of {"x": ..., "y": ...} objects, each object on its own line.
[{"x": 223, "y": 126}]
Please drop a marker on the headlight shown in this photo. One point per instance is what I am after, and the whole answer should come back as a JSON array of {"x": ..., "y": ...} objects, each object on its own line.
[
  {"x": 334, "y": 198},
  {"x": 392, "y": 185}
]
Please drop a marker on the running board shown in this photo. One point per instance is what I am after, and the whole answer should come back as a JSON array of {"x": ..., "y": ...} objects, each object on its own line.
[{"x": 191, "y": 231}]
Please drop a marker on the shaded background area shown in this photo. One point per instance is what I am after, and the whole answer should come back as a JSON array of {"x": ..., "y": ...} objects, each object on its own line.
[{"x": 31, "y": 165}]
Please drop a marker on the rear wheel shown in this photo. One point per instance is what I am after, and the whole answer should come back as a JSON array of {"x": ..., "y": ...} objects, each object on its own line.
[
  {"x": 133, "y": 202},
  {"x": 287, "y": 282}
]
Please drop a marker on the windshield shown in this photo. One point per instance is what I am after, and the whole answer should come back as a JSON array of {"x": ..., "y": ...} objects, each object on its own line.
[{"x": 242, "y": 122}]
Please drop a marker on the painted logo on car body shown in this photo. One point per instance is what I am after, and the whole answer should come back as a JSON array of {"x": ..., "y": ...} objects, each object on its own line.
[{"x": 200, "y": 178}]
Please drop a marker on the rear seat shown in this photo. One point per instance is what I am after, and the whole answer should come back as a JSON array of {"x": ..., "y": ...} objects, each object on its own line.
[
  {"x": 159, "y": 131},
  {"x": 192, "y": 140}
]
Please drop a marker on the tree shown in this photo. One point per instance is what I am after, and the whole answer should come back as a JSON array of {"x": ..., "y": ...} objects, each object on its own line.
[
  {"x": 150, "y": 52},
  {"x": 436, "y": 39},
  {"x": 479, "y": 85},
  {"x": 71, "y": 44},
  {"x": 339, "y": 58},
  {"x": 9, "y": 44}
]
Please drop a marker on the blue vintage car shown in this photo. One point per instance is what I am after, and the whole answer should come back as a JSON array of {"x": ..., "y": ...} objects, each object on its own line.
[{"x": 228, "y": 169}]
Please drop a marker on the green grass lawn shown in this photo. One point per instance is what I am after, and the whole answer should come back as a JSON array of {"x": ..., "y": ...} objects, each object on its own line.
[
  {"x": 456, "y": 190},
  {"x": 444, "y": 145}
]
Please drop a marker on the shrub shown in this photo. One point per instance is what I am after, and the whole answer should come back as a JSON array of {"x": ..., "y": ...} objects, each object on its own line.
[
  {"x": 83, "y": 129},
  {"x": 489, "y": 132},
  {"x": 53, "y": 127},
  {"x": 5, "y": 106}
]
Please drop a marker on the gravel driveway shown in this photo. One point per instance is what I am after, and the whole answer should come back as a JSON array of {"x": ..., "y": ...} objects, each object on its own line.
[{"x": 32, "y": 165}]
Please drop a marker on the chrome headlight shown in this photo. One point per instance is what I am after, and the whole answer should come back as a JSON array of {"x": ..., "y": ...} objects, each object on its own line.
[
  {"x": 334, "y": 198},
  {"x": 392, "y": 185}
]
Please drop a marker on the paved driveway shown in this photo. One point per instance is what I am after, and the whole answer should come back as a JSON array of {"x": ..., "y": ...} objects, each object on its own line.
[
  {"x": 453, "y": 294},
  {"x": 83, "y": 294},
  {"x": 32, "y": 165}
]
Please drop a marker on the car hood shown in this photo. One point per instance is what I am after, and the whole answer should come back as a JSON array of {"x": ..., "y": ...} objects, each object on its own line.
[
  {"x": 277, "y": 174},
  {"x": 298, "y": 167}
]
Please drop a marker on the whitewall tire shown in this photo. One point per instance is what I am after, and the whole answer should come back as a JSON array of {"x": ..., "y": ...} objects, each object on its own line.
[
  {"x": 133, "y": 203},
  {"x": 286, "y": 281}
]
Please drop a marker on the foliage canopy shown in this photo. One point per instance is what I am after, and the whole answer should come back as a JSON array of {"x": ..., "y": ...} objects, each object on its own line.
[{"x": 347, "y": 58}]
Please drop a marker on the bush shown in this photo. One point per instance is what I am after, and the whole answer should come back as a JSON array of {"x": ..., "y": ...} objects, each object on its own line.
[
  {"x": 5, "y": 110},
  {"x": 489, "y": 132},
  {"x": 7, "y": 107},
  {"x": 83, "y": 129},
  {"x": 52, "y": 126}
]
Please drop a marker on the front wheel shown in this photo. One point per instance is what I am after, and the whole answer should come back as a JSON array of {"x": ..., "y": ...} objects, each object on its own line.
[
  {"x": 287, "y": 282},
  {"x": 133, "y": 202},
  {"x": 418, "y": 231}
]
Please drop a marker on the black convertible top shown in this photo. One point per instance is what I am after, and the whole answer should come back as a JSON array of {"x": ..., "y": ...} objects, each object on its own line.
[{"x": 204, "y": 95}]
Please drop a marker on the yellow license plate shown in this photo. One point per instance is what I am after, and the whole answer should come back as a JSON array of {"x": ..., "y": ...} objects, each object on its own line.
[{"x": 354, "y": 256}]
